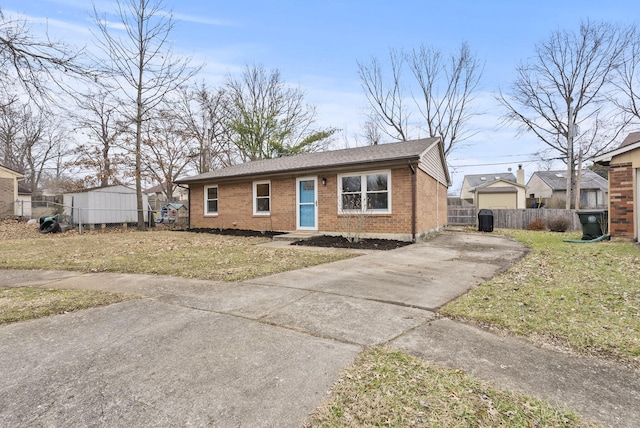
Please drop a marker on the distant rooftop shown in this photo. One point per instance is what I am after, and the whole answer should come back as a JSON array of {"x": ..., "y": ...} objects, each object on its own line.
[
  {"x": 557, "y": 180},
  {"x": 475, "y": 180}
]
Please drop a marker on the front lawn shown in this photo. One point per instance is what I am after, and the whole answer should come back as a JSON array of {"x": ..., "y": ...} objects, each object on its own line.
[
  {"x": 185, "y": 254},
  {"x": 19, "y": 304},
  {"x": 390, "y": 388},
  {"x": 582, "y": 296}
]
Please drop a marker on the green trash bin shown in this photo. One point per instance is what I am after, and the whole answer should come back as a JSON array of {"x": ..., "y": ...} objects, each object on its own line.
[{"x": 594, "y": 223}]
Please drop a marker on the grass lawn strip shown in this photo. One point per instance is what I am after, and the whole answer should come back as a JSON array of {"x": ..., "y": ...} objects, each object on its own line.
[
  {"x": 582, "y": 296},
  {"x": 390, "y": 388},
  {"x": 19, "y": 304},
  {"x": 190, "y": 255}
]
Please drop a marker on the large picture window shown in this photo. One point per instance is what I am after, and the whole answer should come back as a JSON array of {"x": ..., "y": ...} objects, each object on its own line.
[
  {"x": 367, "y": 192},
  {"x": 211, "y": 200},
  {"x": 262, "y": 197}
]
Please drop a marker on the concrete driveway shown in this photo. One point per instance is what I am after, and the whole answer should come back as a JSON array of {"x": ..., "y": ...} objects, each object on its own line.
[{"x": 200, "y": 353}]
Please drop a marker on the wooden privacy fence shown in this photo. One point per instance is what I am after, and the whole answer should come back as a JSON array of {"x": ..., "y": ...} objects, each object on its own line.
[{"x": 511, "y": 219}]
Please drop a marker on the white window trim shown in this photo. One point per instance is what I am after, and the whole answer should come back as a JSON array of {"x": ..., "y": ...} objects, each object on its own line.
[
  {"x": 363, "y": 190},
  {"x": 255, "y": 198},
  {"x": 206, "y": 201}
]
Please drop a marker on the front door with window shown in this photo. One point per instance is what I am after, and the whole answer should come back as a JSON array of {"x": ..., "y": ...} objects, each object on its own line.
[{"x": 307, "y": 211}]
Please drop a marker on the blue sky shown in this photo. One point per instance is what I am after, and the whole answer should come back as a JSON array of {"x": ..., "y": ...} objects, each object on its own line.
[{"x": 316, "y": 44}]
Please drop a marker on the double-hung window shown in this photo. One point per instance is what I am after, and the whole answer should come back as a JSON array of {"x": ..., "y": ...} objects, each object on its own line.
[
  {"x": 368, "y": 192},
  {"x": 261, "y": 197},
  {"x": 211, "y": 200}
]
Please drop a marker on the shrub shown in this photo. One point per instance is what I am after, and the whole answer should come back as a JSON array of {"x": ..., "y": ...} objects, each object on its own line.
[
  {"x": 558, "y": 224},
  {"x": 537, "y": 224}
]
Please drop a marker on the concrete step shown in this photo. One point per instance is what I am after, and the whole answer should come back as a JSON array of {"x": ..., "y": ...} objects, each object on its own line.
[{"x": 295, "y": 236}]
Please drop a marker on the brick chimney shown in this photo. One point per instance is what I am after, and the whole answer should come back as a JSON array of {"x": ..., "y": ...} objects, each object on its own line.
[{"x": 520, "y": 176}]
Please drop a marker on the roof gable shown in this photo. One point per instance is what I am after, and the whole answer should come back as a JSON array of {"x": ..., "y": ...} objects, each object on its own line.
[
  {"x": 475, "y": 180},
  {"x": 334, "y": 159},
  {"x": 490, "y": 186}
]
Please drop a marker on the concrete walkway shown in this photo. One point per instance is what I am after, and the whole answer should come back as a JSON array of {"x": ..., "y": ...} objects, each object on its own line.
[{"x": 265, "y": 352}]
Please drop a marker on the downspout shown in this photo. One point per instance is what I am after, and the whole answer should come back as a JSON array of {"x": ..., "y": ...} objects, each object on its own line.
[{"x": 414, "y": 192}]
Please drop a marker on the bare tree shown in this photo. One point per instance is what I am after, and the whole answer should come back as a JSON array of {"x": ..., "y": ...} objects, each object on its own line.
[
  {"x": 448, "y": 88},
  {"x": 372, "y": 133},
  {"x": 167, "y": 149},
  {"x": 627, "y": 78},
  {"x": 100, "y": 118},
  {"x": 30, "y": 140},
  {"x": 202, "y": 112},
  {"x": 560, "y": 94},
  {"x": 267, "y": 118},
  {"x": 36, "y": 64},
  {"x": 144, "y": 67},
  {"x": 387, "y": 102},
  {"x": 443, "y": 98}
]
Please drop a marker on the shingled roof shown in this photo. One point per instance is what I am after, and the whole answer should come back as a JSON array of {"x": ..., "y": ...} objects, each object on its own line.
[
  {"x": 334, "y": 159},
  {"x": 633, "y": 137},
  {"x": 557, "y": 180},
  {"x": 475, "y": 180}
]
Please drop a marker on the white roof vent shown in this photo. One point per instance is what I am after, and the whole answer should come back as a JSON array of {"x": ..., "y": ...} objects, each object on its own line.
[
  {"x": 559, "y": 175},
  {"x": 483, "y": 178}
]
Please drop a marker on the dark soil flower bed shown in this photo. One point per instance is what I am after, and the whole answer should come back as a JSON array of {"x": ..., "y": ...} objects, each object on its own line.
[
  {"x": 237, "y": 232},
  {"x": 342, "y": 242}
]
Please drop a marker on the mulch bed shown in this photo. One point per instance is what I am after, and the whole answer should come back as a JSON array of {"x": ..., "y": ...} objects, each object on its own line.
[
  {"x": 316, "y": 241},
  {"x": 236, "y": 232},
  {"x": 342, "y": 242}
]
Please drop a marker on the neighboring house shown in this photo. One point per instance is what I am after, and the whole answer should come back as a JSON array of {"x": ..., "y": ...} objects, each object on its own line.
[
  {"x": 495, "y": 191},
  {"x": 173, "y": 212},
  {"x": 23, "y": 204},
  {"x": 550, "y": 187},
  {"x": 8, "y": 191},
  {"x": 395, "y": 191},
  {"x": 624, "y": 187},
  {"x": 104, "y": 205},
  {"x": 158, "y": 198}
]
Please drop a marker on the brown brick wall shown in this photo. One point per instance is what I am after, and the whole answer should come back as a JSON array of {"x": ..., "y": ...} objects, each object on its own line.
[
  {"x": 432, "y": 204},
  {"x": 621, "y": 201},
  {"x": 399, "y": 222},
  {"x": 235, "y": 209},
  {"x": 6, "y": 197}
]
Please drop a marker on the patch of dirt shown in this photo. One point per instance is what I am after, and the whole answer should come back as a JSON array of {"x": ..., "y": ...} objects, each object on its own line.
[{"x": 342, "y": 242}]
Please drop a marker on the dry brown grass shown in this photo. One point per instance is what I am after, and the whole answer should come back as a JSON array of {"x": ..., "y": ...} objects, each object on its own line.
[{"x": 185, "y": 254}]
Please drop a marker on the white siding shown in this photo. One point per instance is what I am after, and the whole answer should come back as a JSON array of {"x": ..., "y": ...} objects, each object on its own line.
[
  {"x": 109, "y": 205},
  {"x": 431, "y": 164},
  {"x": 538, "y": 188}
]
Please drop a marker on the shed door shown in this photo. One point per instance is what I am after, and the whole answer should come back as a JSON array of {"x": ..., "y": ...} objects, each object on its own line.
[{"x": 307, "y": 213}]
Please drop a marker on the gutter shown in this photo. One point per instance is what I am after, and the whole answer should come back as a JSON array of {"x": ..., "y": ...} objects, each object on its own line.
[{"x": 310, "y": 170}]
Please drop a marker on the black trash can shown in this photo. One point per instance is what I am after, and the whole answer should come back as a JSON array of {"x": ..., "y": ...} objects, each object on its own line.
[
  {"x": 485, "y": 220},
  {"x": 594, "y": 223}
]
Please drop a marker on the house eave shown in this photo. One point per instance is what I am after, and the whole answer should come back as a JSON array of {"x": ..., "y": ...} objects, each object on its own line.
[
  {"x": 349, "y": 166},
  {"x": 605, "y": 158}
]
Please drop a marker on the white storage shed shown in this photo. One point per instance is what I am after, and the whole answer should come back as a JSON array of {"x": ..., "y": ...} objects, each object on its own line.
[{"x": 105, "y": 205}]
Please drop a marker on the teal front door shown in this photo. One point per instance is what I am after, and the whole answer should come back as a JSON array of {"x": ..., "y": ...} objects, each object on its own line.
[{"x": 307, "y": 203}]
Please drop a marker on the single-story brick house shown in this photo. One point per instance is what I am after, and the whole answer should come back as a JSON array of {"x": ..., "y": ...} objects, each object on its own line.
[
  {"x": 395, "y": 191},
  {"x": 624, "y": 187}
]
